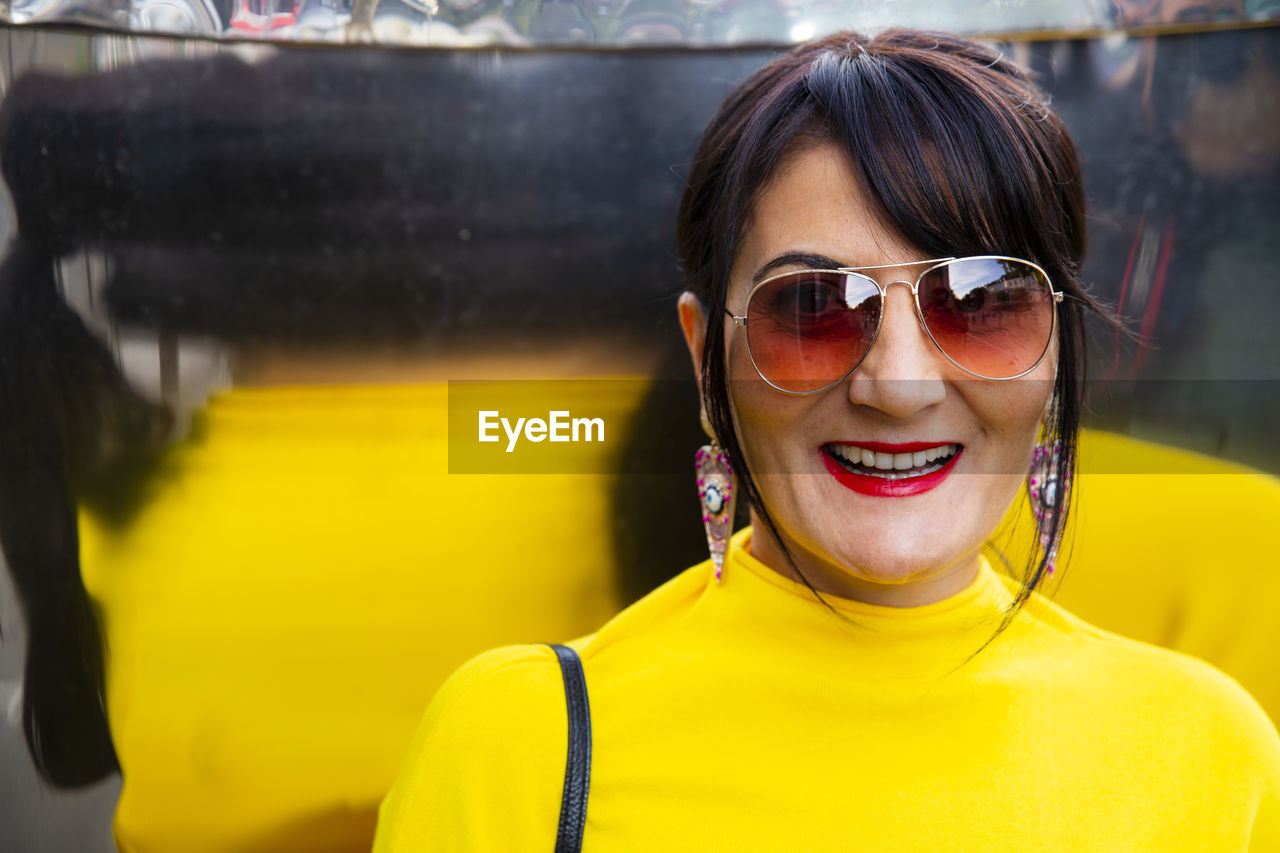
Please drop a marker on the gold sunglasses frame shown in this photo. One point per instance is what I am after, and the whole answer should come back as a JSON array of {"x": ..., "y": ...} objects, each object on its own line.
[{"x": 936, "y": 263}]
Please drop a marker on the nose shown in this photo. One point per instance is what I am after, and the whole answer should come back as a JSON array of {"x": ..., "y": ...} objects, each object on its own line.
[{"x": 903, "y": 372}]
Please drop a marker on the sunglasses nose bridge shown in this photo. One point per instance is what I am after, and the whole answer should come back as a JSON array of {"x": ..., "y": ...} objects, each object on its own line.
[
  {"x": 909, "y": 285},
  {"x": 914, "y": 303}
]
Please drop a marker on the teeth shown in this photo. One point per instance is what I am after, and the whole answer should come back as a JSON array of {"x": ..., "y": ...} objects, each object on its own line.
[{"x": 893, "y": 462}]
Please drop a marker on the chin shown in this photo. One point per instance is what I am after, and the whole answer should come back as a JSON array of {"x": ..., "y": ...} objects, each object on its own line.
[
  {"x": 888, "y": 542},
  {"x": 893, "y": 567},
  {"x": 891, "y": 557}
]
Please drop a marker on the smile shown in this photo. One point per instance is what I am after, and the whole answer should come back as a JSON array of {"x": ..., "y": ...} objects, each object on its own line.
[{"x": 890, "y": 470}]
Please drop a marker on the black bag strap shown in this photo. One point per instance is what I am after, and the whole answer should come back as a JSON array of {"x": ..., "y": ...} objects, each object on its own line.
[{"x": 577, "y": 768}]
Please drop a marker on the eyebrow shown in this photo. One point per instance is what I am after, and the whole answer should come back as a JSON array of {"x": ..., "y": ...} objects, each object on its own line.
[{"x": 797, "y": 259}]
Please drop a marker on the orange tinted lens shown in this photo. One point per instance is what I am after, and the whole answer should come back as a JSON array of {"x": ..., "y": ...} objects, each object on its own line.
[
  {"x": 806, "y": 330},
  {"x": 991, "y": 316}
]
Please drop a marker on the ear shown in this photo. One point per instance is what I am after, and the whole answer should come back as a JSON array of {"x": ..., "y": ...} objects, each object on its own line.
[{"x": 693, "y": 323}]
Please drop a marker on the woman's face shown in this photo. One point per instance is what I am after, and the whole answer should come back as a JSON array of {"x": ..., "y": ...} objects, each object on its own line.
[{"x": 866, "y": 544}]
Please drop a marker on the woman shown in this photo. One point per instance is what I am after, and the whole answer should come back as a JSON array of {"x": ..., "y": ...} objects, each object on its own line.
[{"x": 852, "y": 673}]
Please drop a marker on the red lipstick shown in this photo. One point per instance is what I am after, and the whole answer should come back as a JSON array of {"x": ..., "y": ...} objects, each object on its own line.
[{"x": 883, "y": 487}]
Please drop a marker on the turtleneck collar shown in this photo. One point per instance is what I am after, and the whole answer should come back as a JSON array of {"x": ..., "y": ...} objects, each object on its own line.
[{"x": 876, "y": 641}]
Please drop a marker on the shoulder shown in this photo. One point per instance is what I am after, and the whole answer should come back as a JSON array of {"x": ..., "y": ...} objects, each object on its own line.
[
  {"x": 651, "y": 616},
  {"x": 1184, "y": 693},
  {"x": 486, "y": 766},
  {"x": 493, "y": 703},
  {"x": 511, "y": 667}
]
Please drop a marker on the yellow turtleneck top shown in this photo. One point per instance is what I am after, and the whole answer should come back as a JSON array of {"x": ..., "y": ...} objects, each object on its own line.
[{"x": 747, "y": 716}]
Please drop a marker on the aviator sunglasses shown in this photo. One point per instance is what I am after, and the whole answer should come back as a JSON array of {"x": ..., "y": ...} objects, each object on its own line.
[{"x": 991, "y": 316}]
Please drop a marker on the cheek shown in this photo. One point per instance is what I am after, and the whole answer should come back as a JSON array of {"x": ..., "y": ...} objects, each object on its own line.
[
  {"x": 768, "y": 421},
  {"x": 762, "y": 426},
  {"x": 1012, "y": 413}
]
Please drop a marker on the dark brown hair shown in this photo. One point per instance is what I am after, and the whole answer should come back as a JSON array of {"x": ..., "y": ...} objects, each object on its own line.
[{"x": 956, "y": 149}]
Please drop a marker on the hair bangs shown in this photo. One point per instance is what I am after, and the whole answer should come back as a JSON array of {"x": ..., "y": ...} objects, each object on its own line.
[{"x": 952, "y": 169}]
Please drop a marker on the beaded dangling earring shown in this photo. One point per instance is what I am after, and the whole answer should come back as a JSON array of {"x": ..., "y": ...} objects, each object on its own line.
[
  {"x": 718, "y": 493},
  {"x": 1046, "y": 491}
]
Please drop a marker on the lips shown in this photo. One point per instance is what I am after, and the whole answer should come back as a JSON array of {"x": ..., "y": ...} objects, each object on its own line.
[{"x": 890, "y": 470}]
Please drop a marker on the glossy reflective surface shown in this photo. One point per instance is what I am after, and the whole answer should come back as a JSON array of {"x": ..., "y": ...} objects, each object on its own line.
[{"x": 618, "y": 23}]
